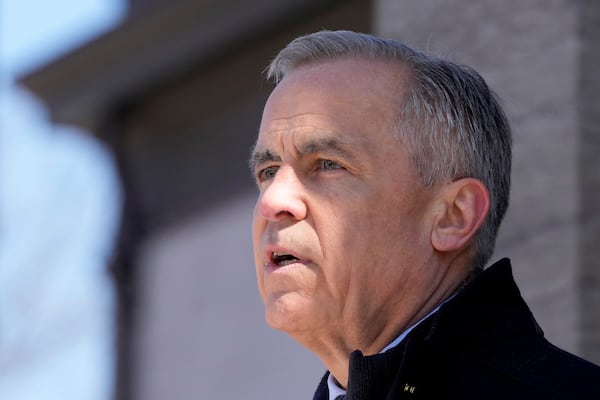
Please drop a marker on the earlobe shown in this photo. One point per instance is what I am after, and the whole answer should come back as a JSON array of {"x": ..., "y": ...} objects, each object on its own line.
[{"x": 464, "y": 204}]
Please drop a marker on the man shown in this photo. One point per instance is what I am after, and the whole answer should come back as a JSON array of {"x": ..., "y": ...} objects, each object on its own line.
[{"x": 383, "y": 177}]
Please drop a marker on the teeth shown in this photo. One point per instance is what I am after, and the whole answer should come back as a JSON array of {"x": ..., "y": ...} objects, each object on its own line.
[
  {"x": 282, "y": 259},
  {"x": 286, "y": 262}
]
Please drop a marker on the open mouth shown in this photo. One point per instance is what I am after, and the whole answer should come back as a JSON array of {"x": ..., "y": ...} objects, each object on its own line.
[{"x": 282, "y": 259}]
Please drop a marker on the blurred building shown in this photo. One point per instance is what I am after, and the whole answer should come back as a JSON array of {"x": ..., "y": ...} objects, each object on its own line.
[{"x": 176, "y": 91}]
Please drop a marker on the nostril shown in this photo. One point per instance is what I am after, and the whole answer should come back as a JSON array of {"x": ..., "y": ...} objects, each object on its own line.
[{"x": 281, "y": 214}]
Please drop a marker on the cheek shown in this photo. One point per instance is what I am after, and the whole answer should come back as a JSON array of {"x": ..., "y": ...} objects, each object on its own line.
[
  {"x": 258, "y": 226},
  {"x": 380, "y": 232}
]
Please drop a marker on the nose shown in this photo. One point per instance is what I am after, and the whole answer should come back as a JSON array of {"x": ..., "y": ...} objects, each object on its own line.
[{"x": 283, "y": 197}]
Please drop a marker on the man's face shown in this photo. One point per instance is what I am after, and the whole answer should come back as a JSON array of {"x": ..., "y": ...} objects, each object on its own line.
[{"x": 341, "y": 227}]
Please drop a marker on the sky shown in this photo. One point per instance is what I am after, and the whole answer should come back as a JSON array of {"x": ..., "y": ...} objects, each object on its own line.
[{"x": 59, "y": 213}]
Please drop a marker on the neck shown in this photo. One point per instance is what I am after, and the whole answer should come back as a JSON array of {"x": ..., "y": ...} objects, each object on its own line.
[{"x": 334, "y": 344}]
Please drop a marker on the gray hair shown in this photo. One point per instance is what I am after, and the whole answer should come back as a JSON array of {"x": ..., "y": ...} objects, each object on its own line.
[{"x": 450, "y": 120}]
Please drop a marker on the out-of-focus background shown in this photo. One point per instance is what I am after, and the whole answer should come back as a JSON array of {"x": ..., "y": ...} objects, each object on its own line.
[
  {"x": 59, "y": 214},
  {"x": 126, "y": 265}
]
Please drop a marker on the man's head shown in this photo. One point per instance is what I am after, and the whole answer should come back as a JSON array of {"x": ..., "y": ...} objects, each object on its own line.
[
  {"x": 451, "y": 122},
  {"x": 374, "y": 164}
]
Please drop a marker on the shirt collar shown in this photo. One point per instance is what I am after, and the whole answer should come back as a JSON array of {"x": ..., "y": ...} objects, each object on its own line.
[{"x": 334, "y": 389}]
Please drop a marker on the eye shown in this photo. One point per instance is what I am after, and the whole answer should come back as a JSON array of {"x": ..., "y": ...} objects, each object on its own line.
[
  {"x": 328, "y": 165},
  {"x": 266, "y": 174}
]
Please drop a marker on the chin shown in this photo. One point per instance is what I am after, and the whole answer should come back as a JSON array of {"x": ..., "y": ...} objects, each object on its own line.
[
  {"x": 286, "y": 316},
  {"x": 283, "y": 323}
]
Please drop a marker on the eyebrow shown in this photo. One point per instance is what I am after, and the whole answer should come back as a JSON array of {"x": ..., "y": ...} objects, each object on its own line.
[
  {"x": 320, "y": 145},
  {"x": 326, "y": 145},
  {"x": 260, "y": 157}
]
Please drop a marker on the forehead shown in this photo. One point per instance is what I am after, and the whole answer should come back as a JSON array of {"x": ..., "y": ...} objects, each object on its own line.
[{"x": 357, "y": 99}]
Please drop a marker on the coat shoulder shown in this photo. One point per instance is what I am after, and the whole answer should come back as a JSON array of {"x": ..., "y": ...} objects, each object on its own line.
[
  {"x": 531, "y": 369},
  {"x": 552, "y": 369},
  {"x": 538, "y": 369}
]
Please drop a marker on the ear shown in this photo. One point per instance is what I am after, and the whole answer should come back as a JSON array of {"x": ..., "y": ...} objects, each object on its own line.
[{"x": 463, "y": 206}]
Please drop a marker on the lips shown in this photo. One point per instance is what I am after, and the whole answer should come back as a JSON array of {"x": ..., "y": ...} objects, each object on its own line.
[{"x": 280, "y": 257}]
